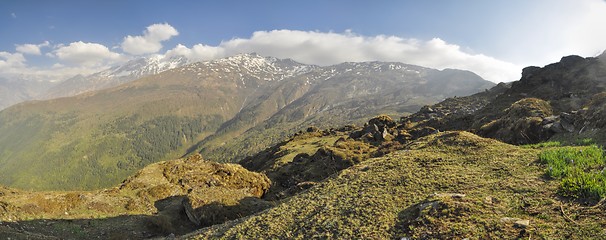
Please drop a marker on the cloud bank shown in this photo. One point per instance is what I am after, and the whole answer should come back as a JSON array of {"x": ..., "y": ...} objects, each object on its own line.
[
  {"x": 310, "y": 47},
  {"x": 323, "y": 48},
  {"x": 151, "y": 41},
  {"x": 86, "y": 54},
  {"x": 11, "y": 60}
]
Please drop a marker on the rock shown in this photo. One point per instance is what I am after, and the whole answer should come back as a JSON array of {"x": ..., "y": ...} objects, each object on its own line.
[
  {"x": 521, "y": 123},
  {"x": 450, "y": 195},
  {"x": 403, "y": 136},
  {"x": 189, "y": 211},
  {"x": 509, "y": 219},
  {"x": 382, "y": 121},
  {"x": 524, "y": 223},
  {"x": 312, "y": 129},
  {"x": 517, "y": 222},
  {"x": 491, "y": 200},
  {"x": 432, "y": 204},
  {"x": 426, "y": 109},
  {"x": 528, "y": 72},
  {"x": 569, "y": 127},
  {"x": 550, "y": 119},
  {"x": 386, "y": 136},
  {"x": 555, "y": 127}
]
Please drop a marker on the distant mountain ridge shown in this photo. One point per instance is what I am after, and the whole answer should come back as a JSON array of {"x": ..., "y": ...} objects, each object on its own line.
[
  {"x": 17, "y": 89},
  {"x": 226, "y": 108},
  {"x": 114, "y": 76}
]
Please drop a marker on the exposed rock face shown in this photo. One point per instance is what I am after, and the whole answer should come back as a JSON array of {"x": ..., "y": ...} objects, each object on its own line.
[
  {"x": 377, "y": 130},
  {"x": 564, "y": 97},
  {"x": 567, "y": 85}
]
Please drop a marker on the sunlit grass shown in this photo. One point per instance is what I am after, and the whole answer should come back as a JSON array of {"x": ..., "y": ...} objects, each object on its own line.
[{"x": 580, "y": 169}]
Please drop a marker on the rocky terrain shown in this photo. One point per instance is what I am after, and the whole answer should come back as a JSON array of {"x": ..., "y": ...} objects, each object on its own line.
[{"x": 514, "y": 161}]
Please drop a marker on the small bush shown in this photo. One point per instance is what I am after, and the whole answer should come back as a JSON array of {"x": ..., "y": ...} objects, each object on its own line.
[{"x": 581, "y": 170}]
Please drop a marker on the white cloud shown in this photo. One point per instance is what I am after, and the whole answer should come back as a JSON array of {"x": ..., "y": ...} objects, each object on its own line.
[
  {"x": 33, "y": 49},
  {"x": 13, "y": 15},
  {"x": 332, "y": 48},
  {"x": 199, "y": 52},
  {"x": 86, "y": 54},
  {"x": 151, "y": 41},
  {"x": 11, "y": 60}
]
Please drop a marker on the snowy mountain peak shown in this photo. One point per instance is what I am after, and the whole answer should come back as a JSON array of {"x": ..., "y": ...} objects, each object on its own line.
[
  {"x": 145, "y": 66},
  {"x": 264, "y": 68}
]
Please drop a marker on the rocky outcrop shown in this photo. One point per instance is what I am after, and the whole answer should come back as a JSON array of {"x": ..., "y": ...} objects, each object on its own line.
[
  {"x": 560, "y": 98},
  {"x": 522, "y": 123}
]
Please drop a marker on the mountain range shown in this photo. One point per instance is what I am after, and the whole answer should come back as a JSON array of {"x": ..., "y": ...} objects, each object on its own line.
[
  {"x": 96, "y": 139},
  {"x": 16, "y": 89},
  {"x": 519, "y": 160}
]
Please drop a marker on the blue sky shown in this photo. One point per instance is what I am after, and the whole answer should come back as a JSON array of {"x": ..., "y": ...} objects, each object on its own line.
[{"x": 492, "y": 38}]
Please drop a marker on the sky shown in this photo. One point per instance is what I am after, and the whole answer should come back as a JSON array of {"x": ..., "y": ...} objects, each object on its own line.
[{"x": 54, "y": 40}]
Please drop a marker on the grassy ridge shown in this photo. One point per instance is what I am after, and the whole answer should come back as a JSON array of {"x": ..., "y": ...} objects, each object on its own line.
[{"x": 450, "y": 185}]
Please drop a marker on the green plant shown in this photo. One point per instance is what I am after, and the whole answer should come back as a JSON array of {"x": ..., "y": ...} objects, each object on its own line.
[{"x": 580, "y": 169}]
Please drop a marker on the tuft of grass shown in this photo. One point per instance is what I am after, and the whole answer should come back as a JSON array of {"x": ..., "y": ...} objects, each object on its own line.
[{"x": 580, "y": 169}]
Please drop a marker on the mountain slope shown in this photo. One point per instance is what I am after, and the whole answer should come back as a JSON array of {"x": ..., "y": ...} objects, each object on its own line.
[
  {"x": 97, "y": 138},
  {"x": 349, "y": 93}
]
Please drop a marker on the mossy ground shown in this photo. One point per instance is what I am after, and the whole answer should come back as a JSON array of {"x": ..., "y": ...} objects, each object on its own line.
[
  {"x": 383, "y": 198},
  {"x": 148, "y": 204}
]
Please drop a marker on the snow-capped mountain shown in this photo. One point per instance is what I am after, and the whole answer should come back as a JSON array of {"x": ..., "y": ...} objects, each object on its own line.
[
  {"x": 250, "y": 65},
  {"x": 116, "y": 75}
]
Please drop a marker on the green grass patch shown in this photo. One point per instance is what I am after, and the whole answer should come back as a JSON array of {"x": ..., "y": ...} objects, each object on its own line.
[
  {"x": 543, "y": 145},
  {"x": 585, "y": 142},
  {"x": 580, "y": 169}
]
